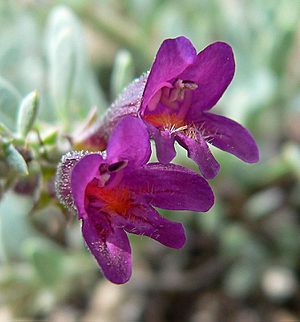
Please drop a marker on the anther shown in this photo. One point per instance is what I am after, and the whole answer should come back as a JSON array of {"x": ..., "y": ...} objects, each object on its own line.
[
  {"x": 180, "y": 86},
  {"x": 114, "y": 167}
]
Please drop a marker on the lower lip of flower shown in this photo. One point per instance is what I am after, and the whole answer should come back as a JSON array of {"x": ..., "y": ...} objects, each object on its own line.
[{"x": 115, "y": 200}]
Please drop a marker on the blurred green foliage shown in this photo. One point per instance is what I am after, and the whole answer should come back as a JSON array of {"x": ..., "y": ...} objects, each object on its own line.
[{"x": 79, "y": 54}]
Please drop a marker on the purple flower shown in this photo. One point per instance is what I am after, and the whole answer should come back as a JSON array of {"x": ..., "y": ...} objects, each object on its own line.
[
  {"x": 116, "y": 194},
  {"x": 181, "y": 89}
]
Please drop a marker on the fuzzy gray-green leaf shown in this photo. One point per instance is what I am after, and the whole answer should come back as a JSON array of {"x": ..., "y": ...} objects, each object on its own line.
[
  {"x": 9, "y": 102},
  {"x": 27, "y": 113},
  {"x": 123, "y": 72},
  {"x": 15, "y": 160}
]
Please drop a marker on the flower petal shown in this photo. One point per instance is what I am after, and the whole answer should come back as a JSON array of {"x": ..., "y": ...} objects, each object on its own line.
[
  {"x": 129, "y": 141},
  {"x": 112, "y": 253},
  {"x": 171, "y": 187},
  {"x": 84, "y": 171},
  {"x": 145, "y": 220},
  {"x": 230, "y": 136},
  {"x": 164, "y": 144},
  {"x": 173, "y": 57},
  {"x": 199, "y": 152},
  {"x": 212, "y": 71}
]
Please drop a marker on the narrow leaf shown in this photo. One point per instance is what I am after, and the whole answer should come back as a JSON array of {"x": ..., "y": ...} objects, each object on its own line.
[
  {"x": 123, "y": 72},
  {"x": 15, "y": 160},
  {"x": 27, "y": 113},
  {"x": 73, "y": 87},
  {"x": 9, "y": 102}
]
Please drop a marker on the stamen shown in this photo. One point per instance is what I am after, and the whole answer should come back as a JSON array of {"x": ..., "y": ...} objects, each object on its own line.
[
  {"x": 193, "y": 131},
  {"x": 109, "y": 171},
  {"x": 182, "y": 128},
  {"x": 170, "y": 122},
  {"x": 117, "y": 166},
  {"x": 172, "y": 95},
  {"x": 189, "y": 85},
  {"x": 179, "y": 89},
  {"x": 168, "y": 99},
  {"x": 185, "y": 105},
  {"x": 103, "y": 167}
]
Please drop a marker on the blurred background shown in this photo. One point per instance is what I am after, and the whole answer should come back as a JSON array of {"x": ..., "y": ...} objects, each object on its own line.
[{"x": 241, "y": 261}]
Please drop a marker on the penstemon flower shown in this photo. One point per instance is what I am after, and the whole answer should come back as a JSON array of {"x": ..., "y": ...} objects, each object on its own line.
[
  {"x": 182, "y": 86},
  {"x": 177, "y": 94},
  {"x": 117, "y": 193}
]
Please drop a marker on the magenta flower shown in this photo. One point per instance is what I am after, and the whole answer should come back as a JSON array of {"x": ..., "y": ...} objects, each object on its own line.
[
  {"x": 181, "y": 88},
  {"x": 174, "y": 100},
  {"x": 116, "y": 194}
]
